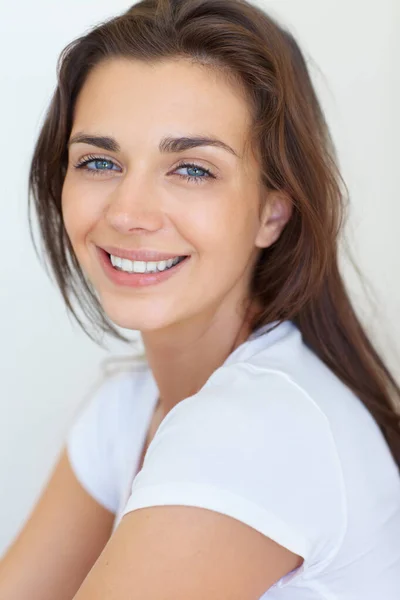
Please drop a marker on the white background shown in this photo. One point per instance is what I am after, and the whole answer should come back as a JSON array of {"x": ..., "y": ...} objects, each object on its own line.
[{"x": 47, "y": 364}]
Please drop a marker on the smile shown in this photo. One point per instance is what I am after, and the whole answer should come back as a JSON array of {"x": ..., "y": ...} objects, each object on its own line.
[
  {"x": 139, "y": 266},
  {"x": 136, "y": 273}
]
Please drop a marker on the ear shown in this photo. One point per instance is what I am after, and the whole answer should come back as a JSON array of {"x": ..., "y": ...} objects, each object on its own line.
[{"x": 275, "y": 213}]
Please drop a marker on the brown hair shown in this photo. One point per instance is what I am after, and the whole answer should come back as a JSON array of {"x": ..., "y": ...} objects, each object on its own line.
[{"x": 297, "y": 278}]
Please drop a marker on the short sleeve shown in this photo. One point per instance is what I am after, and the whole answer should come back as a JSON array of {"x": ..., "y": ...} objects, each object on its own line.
[
  {"x": 90, "y": 442},
  {"x": 250, "y": 444}
]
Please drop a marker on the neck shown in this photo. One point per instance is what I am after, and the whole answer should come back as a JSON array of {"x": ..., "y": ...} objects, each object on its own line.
[{"x": 182, "y": 363}]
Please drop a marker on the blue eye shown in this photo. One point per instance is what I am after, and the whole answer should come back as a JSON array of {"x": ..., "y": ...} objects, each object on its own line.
[
  {"x": 107, "y": 164},
  {"x": 101, "y": 165},
  {"x": 193, "y": 167}
]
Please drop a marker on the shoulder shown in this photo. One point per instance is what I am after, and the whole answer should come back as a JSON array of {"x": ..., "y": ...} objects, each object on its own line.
[
  {"x": 103, "y": 431},
  {"x": 113, "y": 387},
  {"x": 243, "y": 394},
  {"x": 251, "y": 444}
]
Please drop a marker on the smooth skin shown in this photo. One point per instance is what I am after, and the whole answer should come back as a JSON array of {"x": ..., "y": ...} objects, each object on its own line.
[{"x": 188, "y": 323}]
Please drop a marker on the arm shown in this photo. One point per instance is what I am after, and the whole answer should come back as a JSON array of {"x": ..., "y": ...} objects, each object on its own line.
[
  {"x": 60, "y": 542},
  {"x": 181, "y": 552}
]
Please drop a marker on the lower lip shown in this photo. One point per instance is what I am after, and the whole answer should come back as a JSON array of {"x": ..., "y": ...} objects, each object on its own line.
[{"x": 136, "y": 279}]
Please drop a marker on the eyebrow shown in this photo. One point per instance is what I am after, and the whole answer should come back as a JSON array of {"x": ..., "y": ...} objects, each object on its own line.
[{"x": 166, "y": 145}]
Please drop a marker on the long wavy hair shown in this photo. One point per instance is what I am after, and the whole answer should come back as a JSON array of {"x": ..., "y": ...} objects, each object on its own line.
[{"x": 297, "y": 278}]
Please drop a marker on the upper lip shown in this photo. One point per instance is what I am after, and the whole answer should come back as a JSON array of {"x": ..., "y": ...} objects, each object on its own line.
[{"x": 144, "y": 254}]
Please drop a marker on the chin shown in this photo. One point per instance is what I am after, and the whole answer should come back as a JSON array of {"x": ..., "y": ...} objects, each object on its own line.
[
  {"x": 130, "y": 317},
  {"x": 138, "y": 323}
]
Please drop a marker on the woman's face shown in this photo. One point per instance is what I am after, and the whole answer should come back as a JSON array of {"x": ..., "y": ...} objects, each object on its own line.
[{"x": 133, "y": 196}]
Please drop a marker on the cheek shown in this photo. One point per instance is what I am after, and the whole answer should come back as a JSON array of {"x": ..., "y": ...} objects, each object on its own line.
[
  {"x": 223, "y": 235},
  {"x": 228, "y": 225},
  {"x": 81, "y": 210}
]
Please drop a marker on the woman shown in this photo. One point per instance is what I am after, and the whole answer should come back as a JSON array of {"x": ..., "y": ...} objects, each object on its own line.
[{"x": 186, "y": 187}]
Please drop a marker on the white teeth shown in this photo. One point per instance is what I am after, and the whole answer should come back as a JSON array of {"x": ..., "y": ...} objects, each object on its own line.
[
  {"x": 138, "y": 266},
  {"x": 126, "y": 265},
  {"x": 116, "y": 261},
  {"x": 151, "y": 267}
]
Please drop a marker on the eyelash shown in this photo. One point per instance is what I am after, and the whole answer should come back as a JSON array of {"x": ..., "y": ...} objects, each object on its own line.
[{"x": 95, "y": 172}]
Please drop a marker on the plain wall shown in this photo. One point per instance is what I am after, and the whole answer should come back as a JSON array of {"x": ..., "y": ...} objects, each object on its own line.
[{"x": 47, "y": 364}]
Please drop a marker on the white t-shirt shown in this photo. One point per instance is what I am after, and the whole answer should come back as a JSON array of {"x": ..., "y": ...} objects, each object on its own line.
[{"x": 273, "y": 439}]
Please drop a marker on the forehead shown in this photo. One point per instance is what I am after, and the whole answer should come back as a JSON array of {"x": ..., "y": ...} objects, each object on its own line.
[{"x": 148, "y": 100}]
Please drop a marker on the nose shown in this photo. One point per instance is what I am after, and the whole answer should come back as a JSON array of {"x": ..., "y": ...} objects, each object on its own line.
[{"x": 134, "y": 205}]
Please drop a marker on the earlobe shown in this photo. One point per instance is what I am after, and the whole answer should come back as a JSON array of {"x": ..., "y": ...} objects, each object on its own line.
[{"x": 275, "y": 214}]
